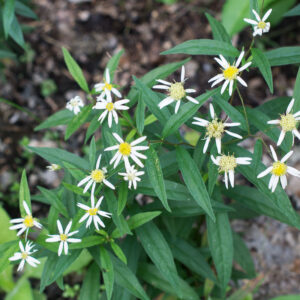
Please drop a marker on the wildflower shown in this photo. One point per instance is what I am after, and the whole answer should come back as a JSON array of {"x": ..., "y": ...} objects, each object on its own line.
[
  {"x": 25, "y": 256},
  {"x": 93, "y": 213},
  {"x": 215, "y": 129},
  {"x": 288, "y": 122},
  {"x": 260, "y": 26},
  {"x": 54, "y": 167},
  {"x": 279, "y": 170},
  {"x": 106, "y": 87},
  {"x": 74, "y": 104},
  {"x": 227, "y": 164},
  {"x": 24, "y": 223},
  {"x": 176, "y": 90},
  {"x": 63, "y": 237},
  {"x": 110, "y": 108},
  {"x": 97, "y": 176},
  {"x": 126, "y": 150},
  {"x": 230, "y": 73},
  {"x": 132, "y": 176}
]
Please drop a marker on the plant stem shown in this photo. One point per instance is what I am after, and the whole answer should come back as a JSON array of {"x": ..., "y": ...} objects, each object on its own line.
[{"x": 244, "y": 109}]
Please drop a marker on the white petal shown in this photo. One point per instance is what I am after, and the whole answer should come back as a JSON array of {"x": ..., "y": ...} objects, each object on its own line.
[
  {"x": 116, "y": 92},
  {"x": 60, "y": 248},
  {"x": 231, "y": 124},
  {"x": 296, "y": 133},
  {"x": 234, "y": 134},
  {"x": 163, "y": 82},
  {"x": 231, "y": 87},
  {"x": 137, "y": 161},
  {"x": 283, "y": 181},
  {"x": 293, "y": 171},
  {"x": 107, "y": 76},
  {"x": 21, "y": 265},
  {"x": 74, "y": 240},
  {"x": 188, "y": 91},
  {"x": 212, "y": 111},
  {"x": 192, "y": 99},
  {"x": 68, "y": 228},
  {"x": 60, "y": 229},
  {"x": 17, "y": 220},
  {"x": 265, "y": 172},
  {"x": 161, "y": 87},
  {"x": 251, "y": 21},
  {"x": 165, "y": 102},
  {"x": 226, "y": 180},
  {"x": 244, "y": 160},
  {"x": 218, "y": 81},
  {"x": 177, "y": 106},
  {"x": 273, "y": 153},
  {"x": 214, "y": 160},
  {"x": 216, "y": 77},
  {"x": 290, "y": 106},
  {"x": 25, "y": 205},
  {"x": 281, "y": 137},
  {"x": 84, "y": 180},
  {"x": 53, "y": 239},
  {"x": 87, "y": 186},
  {"x": 66, "y": 248},
  {"x": 218, "y": 143},
  {"x": 275, "y": 182},
  {"x": 98, "y": 161},
  {"x": 271, "y": 181},
  {"x": 112, "y": 148},
  {"x": 245, "y": 66},
  {"x": 287, "y": 156},
  {"x": 241, "y": 81},
  {"x": 117, "y": 137},
  {"x": 256, "y": 15},
  {"x": 231, "y": 177},
  {"x": 273, "y": 122},
  {"x": 239, "y": 59},
  {"x": 107, "y": 183},
  {"x": 206, "y": 144},
  {"x": 182, "y": 74},
  {"x": 224, "y": 86},
  {"x": 265, "y": 17},
  {"x": 109, "y": 119},
  {"x": 138, "y": 141},
  {"x": 84, "y": 217}
]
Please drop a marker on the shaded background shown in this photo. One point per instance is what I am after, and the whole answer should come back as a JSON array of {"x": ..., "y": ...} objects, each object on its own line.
[{"x": 95, "y": 30}]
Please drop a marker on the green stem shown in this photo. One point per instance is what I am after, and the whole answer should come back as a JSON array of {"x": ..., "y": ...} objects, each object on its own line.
[{"x": 244, "y": 109}]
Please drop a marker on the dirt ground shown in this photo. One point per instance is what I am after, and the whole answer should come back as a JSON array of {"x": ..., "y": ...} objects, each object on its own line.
[{"x": 95, "y": 30}]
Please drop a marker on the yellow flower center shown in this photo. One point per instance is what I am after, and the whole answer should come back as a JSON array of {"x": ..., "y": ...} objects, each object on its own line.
[
  {"x": 231, "y": 72},
  {"x": 74, "y": 103},
  {"x": 227, "y": 163},
  {"x": 28, "y": 221},
  {"x": 107, "y": 86},
  {"x": 92, "y": 211},
  {"x": 177, "y": 91},
  {"x": 24, "y": 255},
  {"x": 97, "y": 175},
  {"x": 279, "y": 168},
  {"x": 125, "y": 149},
  {"x": 215, "y": 129},
  {"x": 109, "y": 106},
  {"x": 288, "y": 122},
  {"x": 63, "y": 237},
  {"x": 261, "y": 25},
  {"x": 131, "y": 176}
]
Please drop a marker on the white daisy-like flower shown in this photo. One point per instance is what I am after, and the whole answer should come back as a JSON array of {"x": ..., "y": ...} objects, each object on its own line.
[
  {"x": 128, "y": 150},
  {"x": 25, "y": 256},
  {"x": 106, "y": 87},
  {"x": 230, "y": 73},
  {"x": 176, "y": 90},
  {"x": 215, "y": 129},
  {"x": 288, "y": 122},
  {"x": 53, "y": 167},
  {"x": 260, "y": 26},
  {"x": 110, "y": 109},
  {"x": 93, "y": 213},
  {"x": 24, "y": 223},
  {"x": 75, "y": 104},
  {"x": 63, "y": 237},
  {"x": 227, "y": 164},
  {"x": 132, "y": 176},
  {"x": 97, "y": 176},
  {"x": 279, "y": 170}
]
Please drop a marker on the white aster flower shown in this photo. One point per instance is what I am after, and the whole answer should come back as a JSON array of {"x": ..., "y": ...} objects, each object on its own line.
[
  {"x": 110, "y": 109},
  {"x": 288, "y": 122},
  {"x": 106, "y": 87},
  {"x": 24, "y": 223},
  {"x": 279, "y": 170},
  {"x": 176, "y": 90},
  {"x": 54, "y": 167},
  {"x": 260, "y": 26},
  {"x": 74, "y": 105},
  {"x": 63, "y": 237},
  {"x": 97, "y": 176},
  {"x": 230, "y": 73},
  {"x": 93, "y": 213},
  {"x": 25, "y": 256},
  {"x": 215, "y": 129},
  {"x": 132, "y": 176},
  {"x": 126, "y": 150},
  {"x": 227, "y": 164}
]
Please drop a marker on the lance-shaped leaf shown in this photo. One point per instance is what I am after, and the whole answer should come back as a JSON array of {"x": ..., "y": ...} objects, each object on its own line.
[
  {"x": 8, "y": 15},
  {"x": 113, "y": 63},
  {"x": 91, "y": 284},
  {"x": 283, "y": 56},
  {"x": 107, "y": 272},
  {"x": 24, "y": 194}
]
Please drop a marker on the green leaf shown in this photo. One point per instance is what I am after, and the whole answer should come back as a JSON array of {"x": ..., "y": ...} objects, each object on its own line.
[
  {"x": 107, "y": 272},
  {"x": 221, "y": 247},
  {"x": 193, "y": 180},
  {"x": 75, "y": 70},
  {"x": 213, "y": 172},
  {"x": 7, "y": 54},
  {"x": 156, "y": 178},
  {"x": 158, "y": 250},
  {"x": 92, "y": 153},
  {"x": 283, "y": 56},
  {"x": 263, "y": 64},
  {"x": 8, "y": 15},
  {"x": 113, "y": 63},
  {"x": 295, "y": 11},
  {"x": 122, "y": 196},
  {"x": 23, "y": 10},
  {"x": 140, "y": 115},
  {"x": 61, "y": 117},
  {"x": 253, "y": 5},
  {"x": 6, "y": 235},
  {"x": 22, "y": 290},
  {"x": 24, "y": 194},
  {"x": 218, "y": 30},
  {"x": 287, "y": 297},
  {"x": 118, "y": 251},
  {"x": 185, "y": 113},
  {"x": 204, "y": 47},
  {"x": 91, "y": 284},
  {"x": 16, "y": 33},
  {"x": 77, "y": 121},
  {"x": 297, "y": 93},
  {"x": 7, "y": 250}
]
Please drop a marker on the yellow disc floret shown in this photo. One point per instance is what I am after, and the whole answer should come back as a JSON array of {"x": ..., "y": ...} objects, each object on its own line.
[
  {"x": 24, "y": 255},
  {"x": 230, "y": 73},
  {"x": 177, "y": 91},
  {"x": 97, "y": 176},
  {"x": 261, "y": 25},
  {"x": 279, "y": 168},
  {"x": 28, "y": 221},
  {"x": 227, "y": 163},
  {"x": 215, "y": 129},
  {"x": 288, "y": 122},
  {"x": 92, "y": 211},
  {"x": 107, "y": 86},
  {"x": 109, "y": 106},
  {"x": 125, "y": 149},
  {"x": 63, "y": 237}
]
